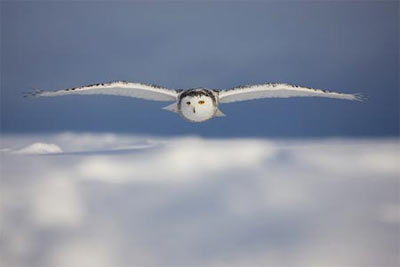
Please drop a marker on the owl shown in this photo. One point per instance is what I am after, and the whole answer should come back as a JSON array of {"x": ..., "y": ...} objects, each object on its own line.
[{"x": 197, "y": 104}]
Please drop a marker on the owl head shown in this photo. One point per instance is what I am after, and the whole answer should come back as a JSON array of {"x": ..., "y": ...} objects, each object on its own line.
[{"x": 197, "y": 106}]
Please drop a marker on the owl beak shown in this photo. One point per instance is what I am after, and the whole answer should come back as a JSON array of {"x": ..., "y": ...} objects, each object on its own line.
[{"x": 194, "y": 110}]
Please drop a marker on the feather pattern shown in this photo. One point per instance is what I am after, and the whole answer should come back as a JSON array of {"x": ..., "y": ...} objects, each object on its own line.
[
  {"x": 282, "y": 90},
  {"x": 118, "y": 88}
]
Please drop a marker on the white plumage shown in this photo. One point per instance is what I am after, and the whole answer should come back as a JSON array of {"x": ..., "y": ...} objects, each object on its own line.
[
  {"x": 119, "y": 88},
  {"x": 199, "y": 104},
  {"x": 282, "y": 90}
]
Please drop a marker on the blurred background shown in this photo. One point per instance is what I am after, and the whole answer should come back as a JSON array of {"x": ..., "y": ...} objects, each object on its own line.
[
  {"x": 112, "y": 181},
  {"x": 350, "y": 47}
]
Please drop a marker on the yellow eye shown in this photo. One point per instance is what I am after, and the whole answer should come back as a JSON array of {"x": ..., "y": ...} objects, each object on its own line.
[
  {"x": 201, "y": 102},
  {"x": 188, "y": 102}
]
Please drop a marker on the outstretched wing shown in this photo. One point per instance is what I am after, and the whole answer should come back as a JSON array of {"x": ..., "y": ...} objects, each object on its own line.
[
  {"x": 249, "y": 92},
  {"x": 119, "y": 88}
]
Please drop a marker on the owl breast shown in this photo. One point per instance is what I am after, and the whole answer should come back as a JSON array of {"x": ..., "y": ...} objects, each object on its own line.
[{"x": 197, "y": 105}]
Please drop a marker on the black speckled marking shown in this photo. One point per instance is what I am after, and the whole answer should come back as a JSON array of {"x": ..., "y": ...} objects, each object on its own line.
[
  {"x": 115, "y": 83},
  {"x": 273, "y": 85},
  {"x": 198, "y": 92}
]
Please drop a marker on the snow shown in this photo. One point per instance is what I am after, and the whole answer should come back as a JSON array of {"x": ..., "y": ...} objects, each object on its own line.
[
  {"x": 39, "y": 148},
  {"x": 107, "y": 199}
]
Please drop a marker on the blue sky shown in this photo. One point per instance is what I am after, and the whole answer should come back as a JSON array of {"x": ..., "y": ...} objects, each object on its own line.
[{"x": 341, "y": 46}]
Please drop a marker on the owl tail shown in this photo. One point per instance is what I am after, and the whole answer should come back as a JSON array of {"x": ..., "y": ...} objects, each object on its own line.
[
  {"x": 173, "y": 108},
  {"x": 219, "y": 113}
]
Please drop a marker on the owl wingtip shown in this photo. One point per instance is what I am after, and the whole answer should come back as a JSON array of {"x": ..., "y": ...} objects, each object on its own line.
[{"x": 360, "y": 97}]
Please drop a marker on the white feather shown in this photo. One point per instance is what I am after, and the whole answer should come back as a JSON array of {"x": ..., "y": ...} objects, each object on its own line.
[
  {"x": 219, "y": 113},
  {"x": 173, "y": 108},
  {"x": 119, "y": 88},
  {"x": 282, "y": 90}
]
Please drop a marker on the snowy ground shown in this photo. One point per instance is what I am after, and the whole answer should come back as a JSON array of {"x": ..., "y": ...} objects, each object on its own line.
[{"x": 115, "y": 200}]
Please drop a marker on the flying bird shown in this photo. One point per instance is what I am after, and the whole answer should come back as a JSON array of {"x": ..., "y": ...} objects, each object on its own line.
[{"x": 197, "y": 104}]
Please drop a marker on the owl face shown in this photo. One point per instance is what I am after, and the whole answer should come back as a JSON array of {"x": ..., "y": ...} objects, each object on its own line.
[{"x": 197, "y": 108}]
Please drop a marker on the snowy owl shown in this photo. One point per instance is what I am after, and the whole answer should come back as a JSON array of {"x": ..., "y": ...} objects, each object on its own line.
[{"x": 198, "y": 104}]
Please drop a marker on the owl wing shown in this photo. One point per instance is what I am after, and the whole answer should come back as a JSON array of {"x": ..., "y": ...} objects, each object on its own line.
[
  {"x": 283, "y": 90},
  {"x": 119, "y": 88}
]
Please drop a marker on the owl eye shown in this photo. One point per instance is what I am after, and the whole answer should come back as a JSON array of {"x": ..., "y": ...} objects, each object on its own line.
[
  {"x": 201, "y": 102},
  {"x": 188, "y": 102}
]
